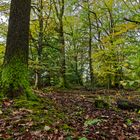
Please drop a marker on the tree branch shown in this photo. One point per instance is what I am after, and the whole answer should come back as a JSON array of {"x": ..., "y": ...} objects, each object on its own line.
[{"x": 137, "y": 22}]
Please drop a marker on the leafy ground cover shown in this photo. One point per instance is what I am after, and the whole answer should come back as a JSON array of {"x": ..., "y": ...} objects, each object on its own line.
[{"x": 70, "y": 115}]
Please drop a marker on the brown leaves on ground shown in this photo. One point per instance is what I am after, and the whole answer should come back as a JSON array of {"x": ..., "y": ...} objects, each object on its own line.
[{"x": 70, "y": 115}]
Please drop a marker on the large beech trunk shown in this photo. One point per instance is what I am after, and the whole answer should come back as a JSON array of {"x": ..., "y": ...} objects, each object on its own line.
[{"x": 14, "y": 74}]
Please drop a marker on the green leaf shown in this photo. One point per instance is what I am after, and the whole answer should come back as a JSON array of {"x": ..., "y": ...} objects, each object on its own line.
[
  {"x": 83, "y": 138},
  {"x": 129, "y": 122},
  {"x": 69, "y": 138},
  {"x": 92, "y": 122},
  {"x": 131, "y": 83},
  {"x": 1, "y": 112}
]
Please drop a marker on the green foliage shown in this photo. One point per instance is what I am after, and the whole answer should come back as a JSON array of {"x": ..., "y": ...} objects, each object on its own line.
[{"x": 115, "y": 43}]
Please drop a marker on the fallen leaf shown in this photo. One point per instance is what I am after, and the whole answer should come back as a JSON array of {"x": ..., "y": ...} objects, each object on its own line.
[
  {"x": 1, "y": 112},
  {"x": 47, "y": 128}
]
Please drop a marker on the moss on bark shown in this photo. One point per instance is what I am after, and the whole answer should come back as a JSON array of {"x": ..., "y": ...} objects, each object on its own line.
[
  {"x": 15, "y": 67},
  {"x": 15, "y": 79}
]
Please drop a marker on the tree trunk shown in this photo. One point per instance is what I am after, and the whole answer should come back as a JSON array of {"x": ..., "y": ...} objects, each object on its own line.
[
  {"x": 90, "y": 48},
  {"x": 59, "y": 9},
  {"x": 63, "y": 62},
  {"x": 40, "y": 44},
  {"x": 15, "y": 67}
]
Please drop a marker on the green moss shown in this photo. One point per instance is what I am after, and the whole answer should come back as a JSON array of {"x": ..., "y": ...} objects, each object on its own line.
[
  {"x": 66, "y": 128},
  {"x": 42, "y": 112},
  {"x": 15, "y": 79},
  {"x": 25, "y": 103}
]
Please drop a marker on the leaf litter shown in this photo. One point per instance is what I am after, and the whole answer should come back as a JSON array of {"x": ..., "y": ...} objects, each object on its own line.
[{"x": 69, "y": 115}]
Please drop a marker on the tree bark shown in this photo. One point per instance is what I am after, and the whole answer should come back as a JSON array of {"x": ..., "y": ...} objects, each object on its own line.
[
  {"x": 63, "y": 62},
  {"x": 90, "y": 47},
  {"x": 40, "y": 44},
  {"x": 15, "y": 67}
]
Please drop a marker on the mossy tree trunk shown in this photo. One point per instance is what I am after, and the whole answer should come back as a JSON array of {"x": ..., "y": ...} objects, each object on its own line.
[{"x": 15, "y": 67}]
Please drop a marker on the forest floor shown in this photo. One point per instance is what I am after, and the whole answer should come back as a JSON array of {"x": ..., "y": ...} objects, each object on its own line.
[{"x": 70, "y": 115}]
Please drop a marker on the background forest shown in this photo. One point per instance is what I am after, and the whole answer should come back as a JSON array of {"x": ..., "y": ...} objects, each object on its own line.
[{"x": 81, "y": 43}]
